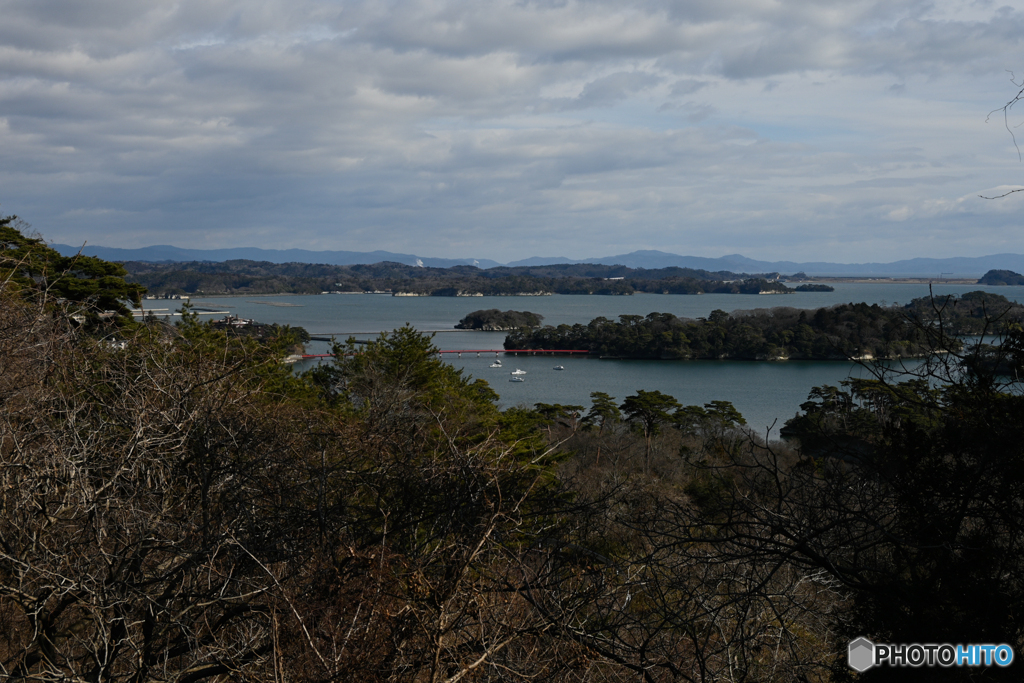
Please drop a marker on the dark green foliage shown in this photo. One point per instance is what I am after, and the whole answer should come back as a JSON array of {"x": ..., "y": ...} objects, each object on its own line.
[
  {"x": 850, "y": 424},
  {"x": 910, "y": 497},
  {"x": 258, "y": 349},
  {"x": 691, "y": 285},
  {"x": 603, "y": 410},
  {"x": 836, "y": 333},
  {"x": 380, "y": 374},
  {"x": 256, "y": 277},
  {"x": 96, "y": 289},
  {"x": 556, "y": 414},
  {"x": 493, "y": 319},
  {"x": 718, "y": 415},
  {"x": 649, "y": 409},
  {"x": 284, "y": 336},
  {"x": 815, "y": 288},
  {"x": 710, "y": 493},
  {"x": 1001, "y": 277},
  {"x": 971, "y": 313},
  {"x": 714, "y": 430}
]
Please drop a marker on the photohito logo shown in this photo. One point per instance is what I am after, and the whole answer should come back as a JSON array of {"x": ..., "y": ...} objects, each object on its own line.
[{"x": 863, "y": 654}]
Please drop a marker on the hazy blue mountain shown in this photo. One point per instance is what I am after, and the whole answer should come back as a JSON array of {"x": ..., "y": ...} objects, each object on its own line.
[
  {"x": 165, "y": 252},
  {"x": 545, "y": 261},
  {"x": 737, "y": 263},
  {"x": 921, "y": 267},
  {"x": 660, "y": 259}
]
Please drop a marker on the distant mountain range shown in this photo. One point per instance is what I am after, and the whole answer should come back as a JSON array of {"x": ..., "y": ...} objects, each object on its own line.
[
  {"x": 164, "y": 252},
  {"x": 919, "y": 267}
]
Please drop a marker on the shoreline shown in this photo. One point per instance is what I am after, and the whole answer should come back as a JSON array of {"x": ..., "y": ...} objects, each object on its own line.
[
  {"x": 821, "y": 280},
  {"x": 889, "y": 281}
]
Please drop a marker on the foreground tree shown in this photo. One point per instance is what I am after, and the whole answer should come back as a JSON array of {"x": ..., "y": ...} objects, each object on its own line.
[
  {"x": 649, "y": 410},
  {"x": 603, "y": 411},
  {"x": 185, "y": 509},
  {"x": 908, "y": 501},
  {"x": 95, "y": 288},
  {"x": 144, "y": 527}
]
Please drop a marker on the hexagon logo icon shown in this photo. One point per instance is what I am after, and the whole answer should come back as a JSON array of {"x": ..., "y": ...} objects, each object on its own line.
[{"x": 861, "y": 656}]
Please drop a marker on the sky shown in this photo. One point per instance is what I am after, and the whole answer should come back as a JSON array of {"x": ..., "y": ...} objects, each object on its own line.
[{"x": 824, "y": 130}]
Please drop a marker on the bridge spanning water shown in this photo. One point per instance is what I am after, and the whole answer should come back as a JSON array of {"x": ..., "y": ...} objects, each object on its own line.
[
  {"x": 763, "y": 392},
  {"x": 338, "y": 336},
  {"x": 513, "y": 352}
]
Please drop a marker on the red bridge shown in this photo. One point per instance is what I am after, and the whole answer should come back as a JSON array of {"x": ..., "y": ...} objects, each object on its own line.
[{"x": 532, "y": 352}]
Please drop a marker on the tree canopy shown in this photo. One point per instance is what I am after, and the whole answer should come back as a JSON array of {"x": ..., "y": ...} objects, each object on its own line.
[
  {"x": 493, "y": 319},
  {"x": 183, "y": 507},
  {"x": 1001, "y": 278},
  {"x": 93, "y": 286},
  {"x": 835, "y": 333}
]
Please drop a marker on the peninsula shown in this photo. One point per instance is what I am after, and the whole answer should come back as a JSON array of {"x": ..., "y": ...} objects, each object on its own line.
[
  {"x": 844, "y": 332},
  {"x": 397, "y": 279}
]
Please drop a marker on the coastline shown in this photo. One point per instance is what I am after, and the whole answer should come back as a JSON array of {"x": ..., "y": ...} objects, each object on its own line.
[{"x": 888, "y": 281}]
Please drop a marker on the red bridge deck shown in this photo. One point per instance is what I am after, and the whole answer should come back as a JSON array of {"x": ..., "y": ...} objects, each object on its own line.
[{"x": 515, "y": 351}]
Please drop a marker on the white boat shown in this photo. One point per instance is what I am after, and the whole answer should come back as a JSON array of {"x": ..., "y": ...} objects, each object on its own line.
[
  {"x": 559, "y": 367},
  {"x": 516, "y": 379},
  {"x": 517, "y": 371},
  {"x": 496, "y": 364}
]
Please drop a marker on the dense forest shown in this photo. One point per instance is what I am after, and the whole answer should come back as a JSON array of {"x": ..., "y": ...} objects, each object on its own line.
[
  {"x": 1001, "y": 278},
  {"x": 493, "y": 319},
  {"x": 836, "y": 333},
  {"x": 177, "y": 505},
  {"x": 253, "y": 277}
]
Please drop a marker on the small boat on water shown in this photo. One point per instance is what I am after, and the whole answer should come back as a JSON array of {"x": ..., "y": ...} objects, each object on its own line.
[
  {"x": 516, "y": 379},
  {"x": 517, "y": 371},
  {"x": 559, "y": 367},
  {"x": 496, "y": 364}
]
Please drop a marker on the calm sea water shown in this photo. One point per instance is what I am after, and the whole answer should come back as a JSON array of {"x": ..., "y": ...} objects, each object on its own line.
[{"x": 765, "y": 393}]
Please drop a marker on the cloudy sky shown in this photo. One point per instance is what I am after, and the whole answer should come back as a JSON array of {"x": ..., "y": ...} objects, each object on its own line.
[{"x": 840, "y": 130}]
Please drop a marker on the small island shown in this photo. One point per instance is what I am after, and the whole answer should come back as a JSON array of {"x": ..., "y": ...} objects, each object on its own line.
[
  {"x": 999, "y": 278},
  {"x": 493, "y": 320},
  {"x": 815, "y": 288}
]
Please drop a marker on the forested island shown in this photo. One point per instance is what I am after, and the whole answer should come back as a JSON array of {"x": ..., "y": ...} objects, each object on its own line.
[
  {"x": 178, "y": 505},
  {"x": 494, "y": 320},
  {"x": 836, "y": 333},
  {"x": 254, "y": 277},
  {"x": 1001, "y": 278}
]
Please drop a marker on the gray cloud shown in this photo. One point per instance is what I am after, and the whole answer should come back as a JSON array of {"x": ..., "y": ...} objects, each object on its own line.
[{"x": 507, "y": 129}]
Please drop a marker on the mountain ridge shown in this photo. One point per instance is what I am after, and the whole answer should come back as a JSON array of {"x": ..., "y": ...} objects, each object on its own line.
[{"x": 647, "y": 258}]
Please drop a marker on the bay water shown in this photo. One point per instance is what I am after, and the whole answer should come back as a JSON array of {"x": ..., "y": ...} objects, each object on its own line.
[{"x": 766, "y": 393}]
